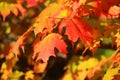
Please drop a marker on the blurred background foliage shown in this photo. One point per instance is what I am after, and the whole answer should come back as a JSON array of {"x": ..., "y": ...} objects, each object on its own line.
[{"x": 78, "y": 67}]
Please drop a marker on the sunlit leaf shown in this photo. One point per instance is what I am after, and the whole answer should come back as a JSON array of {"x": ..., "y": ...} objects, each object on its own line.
[
  {"x": 4, "y": 9},
  {"x": 29, "y": 75},
  {"x": 50, "y": 16},
  {"x": 3, "y": 67},
  {"x": 21, "y": 9},
  {"x": 114, "y": 11},
  {"x": 43, "y": 20},
  {"x": 67, "y": 76},
  {"x": 80, "y": 68},
  {"x": 31, "y": 3},
  {"x": 76, "y": 28},
  {"x": 42, "y": 1},
  {"x": 5, "y": 75},
  {"x": 111, "y": 73},
  {"x": 45, "y": 48},
  {"x": 14, "y": 9},
  {"x": 87, "y": 64},
  {"x": 117, "y": 35}
]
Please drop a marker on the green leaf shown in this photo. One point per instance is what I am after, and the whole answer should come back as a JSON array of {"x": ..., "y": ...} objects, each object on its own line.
[
  {"x": 103, "y": 52},
  {"x": 15, "y": 75},
  {"x": 87, "y": 64},
  {"x": 81, "y": 67},
  {"x": 107, "y": 40},
  {"x": 78, "y": 64}
]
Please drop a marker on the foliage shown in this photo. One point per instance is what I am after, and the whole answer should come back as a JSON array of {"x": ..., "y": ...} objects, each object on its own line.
[
  {"x": 60, "y": 39},
  {"x": 110, "y": 74}
]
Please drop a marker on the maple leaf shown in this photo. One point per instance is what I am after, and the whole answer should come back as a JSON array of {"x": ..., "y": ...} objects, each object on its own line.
[
  {"x": 31, "y": 3},
  {"x": 85, "y": 29},
  {"x": 111, "y": 73},
  {"x": 29, "y": 75},
  {"x": 71, "y": 30},
  {"x": 41, "y": 1},
  {"x": 6, "y": 8},
  {"x": 20, "y": 42},
  {"x": 105, "y": 5},
  {"x": 76, "y": 28},
  {"x": 45, "y": 48},
  {"x": 78, "y": 8},
  {"x": 101, "y": 7},
  {"x": 43, "y": 20},
  {"x": 114, "y": 11},
  {"x": 49, "y": 17},
  {"x": 21, "y": 9},
  {"x": 14, "y": 10},
  {"x": 20, "y": 1}
]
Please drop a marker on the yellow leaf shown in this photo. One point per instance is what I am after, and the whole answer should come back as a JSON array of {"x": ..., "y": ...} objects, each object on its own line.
[
  {"x": 110, "y": 73},
  {"x": 4, "y": 67},
  {"x": 63, "y": 13},
  {"x": 93, "y": 4},
  {"x": 29, "y": 75},
  {"x": 5, "y": 71},
  {"x": 39, "y": 67},
  {"x": 5, "y": 75},
  {"x": 4, "y": 9},
  {"x": 87, "y": 64},
  {"x": 82, "y": 75},
  {"x": 117, "y": 35},
  {"x": 67, "y": 76}
]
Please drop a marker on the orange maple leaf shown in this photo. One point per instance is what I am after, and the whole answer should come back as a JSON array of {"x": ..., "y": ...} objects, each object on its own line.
[
  {"x": 50, "y": 16},
  {"x": 20, "y": 42},
  {"x": 45, "y": 48},
  {"x": 43, "y": 20},
  {"x": 6, "y": 8}
]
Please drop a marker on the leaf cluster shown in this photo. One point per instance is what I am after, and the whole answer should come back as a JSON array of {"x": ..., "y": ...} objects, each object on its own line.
[{"x": 60, "y": 40}]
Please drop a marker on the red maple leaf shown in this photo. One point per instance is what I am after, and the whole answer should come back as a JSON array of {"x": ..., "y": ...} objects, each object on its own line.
[
  {"x": 31, "y": 3},
  {"x": 76, "y": 28},
  {"x": 102, "y": 7},
  {"x": 106, "y": 4},
  {"x": 45, "y": 48},
  {"x": 71, "y": 30},
  {"x": 41, "y": 1}
]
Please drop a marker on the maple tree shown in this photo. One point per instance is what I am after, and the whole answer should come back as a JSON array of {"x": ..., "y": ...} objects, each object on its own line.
[{"x": 82, "y": 37}]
